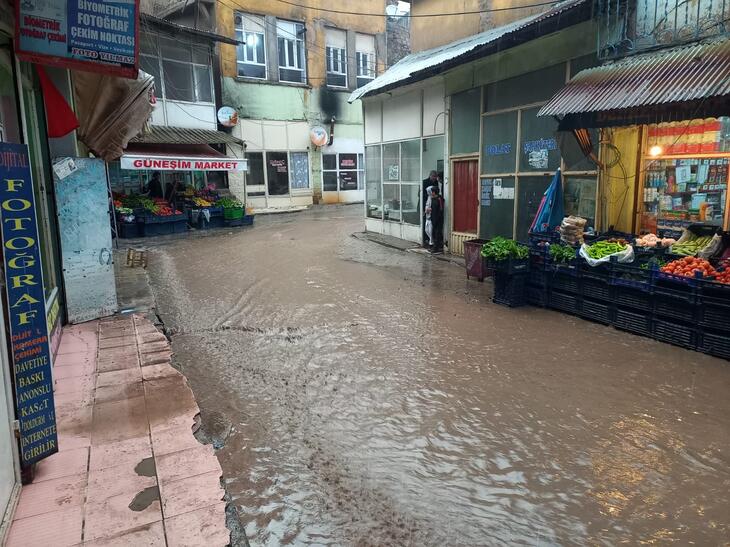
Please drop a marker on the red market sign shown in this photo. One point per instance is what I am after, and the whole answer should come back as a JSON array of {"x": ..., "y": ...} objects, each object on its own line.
[{"x": 178, "y": 163}]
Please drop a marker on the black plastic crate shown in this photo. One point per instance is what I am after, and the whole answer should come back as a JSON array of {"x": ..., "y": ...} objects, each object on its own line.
[
  {"x": 714, "y": 313},
  {"x": 564, "y": 281},
  {"x": 602, "y": 271},
  {"x": 633, "y": 321},
  {"x": 595, "y": 288},
  {"x": 129, "y": 230},
  {"x": 536, "y": 295},
  {"x": 714, "y": 343},
  {"x": 631, "y": 297},
  {"x": 568, "y": 303},
  {"x": 539, "y": 278},
  {"x": 600, "y": 312},
  {"x": 631, "y": 275},
  {"x": 675, "y": 333},
  {"x": 679, "y": 303},
  {"x": 509, "y": 289},
  {"x": 510, "y": 266}
]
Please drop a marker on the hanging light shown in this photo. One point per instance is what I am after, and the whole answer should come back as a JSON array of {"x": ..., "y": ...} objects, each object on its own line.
[{"x": 655, "y": 151}]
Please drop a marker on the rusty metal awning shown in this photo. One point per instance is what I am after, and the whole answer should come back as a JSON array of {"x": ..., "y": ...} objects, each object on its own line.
[
  {"x": 672, "y": 83},
  {"x": 161, "y": 134}
]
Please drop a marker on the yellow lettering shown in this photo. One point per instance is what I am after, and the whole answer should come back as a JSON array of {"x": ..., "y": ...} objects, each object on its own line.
[
  {"x": 25, "y": 298},
  {"x": 18, "y": 222},
  {"x": 24, "y": 204},
  {"x": 10, "y": 243},
  {"x": 28, "y": 261},
  {"x": 13, "y": 183},
  {"x": 25, "y": 279},
  {"x": 25, "y": 317}
]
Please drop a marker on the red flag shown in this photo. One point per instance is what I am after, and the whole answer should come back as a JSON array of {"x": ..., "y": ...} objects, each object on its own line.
[{"x": 60, "y": 118}]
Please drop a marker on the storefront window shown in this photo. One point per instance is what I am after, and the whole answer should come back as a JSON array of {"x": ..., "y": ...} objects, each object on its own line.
[
  {"x": 410, "y": 161},
  {"x": 433, "y": 156},
  {"x": 497, "y": 213},
  {"x": 465, "y": 111},
  {"x": 528, "y": 88},
  {"x": 391, "y": 202},
  {"x": 9, "y": 126},
  {"x": 691, "y": 185},
  {"x": 538, "y": 147},
  {"x": 343, "y": 172},
  {"x": 580, "y": 197},
  {"x": 500, "y": 142},
  {"x": 277, "y": 173},
  {"x": 255, "y": 181},
  {"x": 529, "y": 195},
  {"x": 373, "y": 197},
  {"x": 299, "y": 170},
  {"x": 410, "y": 203},
  {"x": 391, "y": 162}
]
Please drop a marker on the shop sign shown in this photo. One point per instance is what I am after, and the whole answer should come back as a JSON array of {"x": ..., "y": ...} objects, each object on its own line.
[
  {"x": 498, "y": 149},
  {"x": 27, "y": 319},
  {"x": 227, "y": 116},
  {"x": 93, "y": 35},
  {"x": 178, "y": 163}
]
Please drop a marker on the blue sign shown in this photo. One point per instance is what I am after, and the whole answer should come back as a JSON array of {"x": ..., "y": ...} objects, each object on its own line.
[
  {"x": 498, "y": 149},
  {"x": 96, "y": 35},
  {"x": 26, "y": 312}
]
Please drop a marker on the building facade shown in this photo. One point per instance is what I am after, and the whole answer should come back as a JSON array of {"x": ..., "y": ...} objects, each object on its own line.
[{"x": 291, "y": 71}]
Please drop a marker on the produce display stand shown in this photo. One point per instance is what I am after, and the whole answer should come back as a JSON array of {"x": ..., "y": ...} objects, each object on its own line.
[
  {"x": 129, "y": 230},
  {"x": 154, "y": 225}
]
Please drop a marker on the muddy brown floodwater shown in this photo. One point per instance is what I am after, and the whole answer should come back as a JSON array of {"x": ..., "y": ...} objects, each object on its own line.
[{"x": 361, "y": 395}]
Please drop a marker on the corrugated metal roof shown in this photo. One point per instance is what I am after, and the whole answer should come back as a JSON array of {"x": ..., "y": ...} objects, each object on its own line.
[
  {"x": 419, "y": 66},
  {"x": 682, "y": 74},
  {"x": 161, "y": 134}
]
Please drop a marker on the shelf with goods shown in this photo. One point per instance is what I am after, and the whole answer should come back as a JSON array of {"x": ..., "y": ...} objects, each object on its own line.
[{"x": 685, "y": 172}]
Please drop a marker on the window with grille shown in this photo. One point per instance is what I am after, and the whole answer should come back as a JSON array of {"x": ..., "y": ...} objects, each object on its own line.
[
  {"x": 336, "y": 53},
  {"x": 290, "y": 41},
  {"x": 251, "y": 50},
  {"x": 365, "y": 59}
]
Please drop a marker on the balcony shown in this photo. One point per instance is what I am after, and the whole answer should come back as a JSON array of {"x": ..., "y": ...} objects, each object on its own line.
[{"x": 632, "y": 26}]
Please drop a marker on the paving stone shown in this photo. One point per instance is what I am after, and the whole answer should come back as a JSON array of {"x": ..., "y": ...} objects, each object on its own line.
[
  {"x": 190, "y": 494},
  {"x": 116, "y": 377},
  {"x": 149, "y": 535},
  {"x": 172, "y": 439},
  {"x": 118, "y": 479},
  {"x": 119, "y": 392},
  {"x": 51, "y": 495},
  {"x": 186, "y": 463},
  {"x": 128, "y": 451},
  {"x": 62, "y": 464},
  {"x": 119, "y": 420},
  {"x": 113, "y": 516},
  {"x": 57, "y": 528},
  {"x": 201, "y": 527}
]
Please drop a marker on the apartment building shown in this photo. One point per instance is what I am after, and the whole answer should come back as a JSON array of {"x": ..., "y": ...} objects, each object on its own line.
[{"x": 289, "y": 77}]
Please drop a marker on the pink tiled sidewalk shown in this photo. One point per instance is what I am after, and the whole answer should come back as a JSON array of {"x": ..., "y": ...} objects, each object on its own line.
[{"x": 129, "y": 471}]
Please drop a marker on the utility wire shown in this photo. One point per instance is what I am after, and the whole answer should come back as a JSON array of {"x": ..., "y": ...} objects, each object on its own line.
[{"x": 474, "y": 12}]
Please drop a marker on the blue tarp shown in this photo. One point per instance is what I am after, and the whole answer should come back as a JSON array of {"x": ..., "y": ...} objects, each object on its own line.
[{"x": 551, "y": 212}]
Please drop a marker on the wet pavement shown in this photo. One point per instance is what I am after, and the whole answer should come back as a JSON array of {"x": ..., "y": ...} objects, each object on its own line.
[{"x": 361, "y": 395}]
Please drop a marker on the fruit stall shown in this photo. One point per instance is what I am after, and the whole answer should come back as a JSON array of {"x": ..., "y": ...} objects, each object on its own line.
[
  {"x": 675, "y": 290},
  {"x": 142, "y": 216}
]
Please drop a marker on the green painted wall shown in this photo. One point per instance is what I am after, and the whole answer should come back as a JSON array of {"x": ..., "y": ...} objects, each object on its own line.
[{"x": 289, "y": 103}]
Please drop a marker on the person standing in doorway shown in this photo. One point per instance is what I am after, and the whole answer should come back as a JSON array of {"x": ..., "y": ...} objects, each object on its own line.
[
  {"x": 154, "y": 187},
  {"x": 432, "y": 180},
  {"x": 437, "y": 220}
]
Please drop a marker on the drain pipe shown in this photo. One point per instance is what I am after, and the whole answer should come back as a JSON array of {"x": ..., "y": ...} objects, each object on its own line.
[{"x": 332, "y": 131}]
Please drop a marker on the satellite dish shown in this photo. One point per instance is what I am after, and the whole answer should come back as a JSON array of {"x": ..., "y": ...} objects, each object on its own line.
[{"x": 391, "y": 10}]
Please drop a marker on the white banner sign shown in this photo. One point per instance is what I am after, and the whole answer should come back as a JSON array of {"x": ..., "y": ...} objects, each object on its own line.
[{"x": 179, "y": 163}]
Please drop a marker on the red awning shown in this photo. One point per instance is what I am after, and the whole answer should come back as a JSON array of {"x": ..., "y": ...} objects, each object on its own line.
[{"x": 179, "y": 157}]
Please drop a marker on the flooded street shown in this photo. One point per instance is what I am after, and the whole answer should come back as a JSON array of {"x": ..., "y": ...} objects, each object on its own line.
[{"x": 361, "y": 395}]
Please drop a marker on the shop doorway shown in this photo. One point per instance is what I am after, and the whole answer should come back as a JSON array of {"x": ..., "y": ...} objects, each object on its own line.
[
  {"x": 465, "y": 196},
  {"x": 8, "y": 462},
  {"x": 343, "y": 177}
]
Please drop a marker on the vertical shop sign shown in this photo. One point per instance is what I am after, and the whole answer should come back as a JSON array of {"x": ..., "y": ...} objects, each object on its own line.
[
  {"x": 26, "y": 306},
  {"x": 95, "y": 35}
]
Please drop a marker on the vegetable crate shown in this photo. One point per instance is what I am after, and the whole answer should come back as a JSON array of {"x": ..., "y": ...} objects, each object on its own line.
[
  {"x": 536, "y": 295},
  {"x": 595, "y": 287},
  {"x": 569, "y": 303},
  {"x": 593, "y": 310},
  {"x": 509, "y": 266},
  {"x": 564, "y": 280},
  {"x": 233, "y": 222},
  {"x": 714, "y": 343},
  {"x": 675, "y": 333},
  {"x": 476, "y": 264},
  {"x": 247, "y": 220},
  {"x": 128, "y": 230},
  {"x": 509, "y": 290},
  {"x": 233, "y": 213},
  {"x": 635, "y": 321}
]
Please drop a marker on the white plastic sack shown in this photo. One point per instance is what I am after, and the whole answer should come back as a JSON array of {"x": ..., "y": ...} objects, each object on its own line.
[
  {"x": 429, "y": 230},
  {"x": 625, "y": 256}
]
